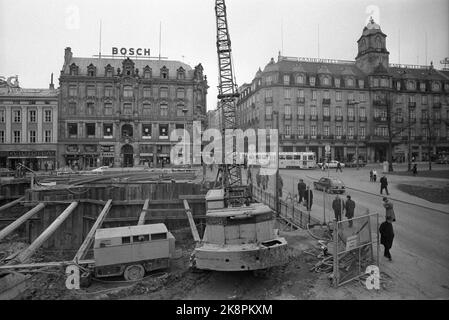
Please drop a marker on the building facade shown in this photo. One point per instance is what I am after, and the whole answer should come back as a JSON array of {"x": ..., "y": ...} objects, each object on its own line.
[
  {"x": 354, "y": 106},
  {"x": 121, "y": 112},
  {"x": 28, "y": 127}
]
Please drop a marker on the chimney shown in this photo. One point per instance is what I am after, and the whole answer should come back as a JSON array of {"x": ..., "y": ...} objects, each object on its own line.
[
  {"x": 52, "y": 86},
  {"x": 67, "y": 55}
]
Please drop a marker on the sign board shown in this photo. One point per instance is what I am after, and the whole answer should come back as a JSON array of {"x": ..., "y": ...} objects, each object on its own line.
[
  {"x": 351, "y": 242},
  {"x": 130, "y": 51}
]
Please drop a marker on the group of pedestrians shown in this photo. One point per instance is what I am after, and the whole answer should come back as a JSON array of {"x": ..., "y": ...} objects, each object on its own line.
[
  {"x": 305, "y": 195},
  {"x": 339, "y": 206}
]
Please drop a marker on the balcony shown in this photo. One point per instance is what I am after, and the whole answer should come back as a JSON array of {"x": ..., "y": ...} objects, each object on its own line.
[
  {"x": 379, "y": 102},
  {"x": 301, "y": 136},
  {"x": 286, "y": 136},
  {"x": 313, "y": 137},
  {"x": 326, "y": 118},
  {"x": 362, "y": 119},
  {"x": 351, "y": 101},
  {"x": 301, "y": 100},
  {"x": 269, "y": 99},
  {"x": 326, "y": 101},
  {"x": 301, "y": 117},
  {"x": 351, "y": 119},
  {"x": 411, "y": 104},
  {"x": 327, "y": 137},
  {"x": 313, "y": 117},
  {"x": 350, "y": 137},
  {"x": 338, "y": 137},
  {"x": 339, "y": 118}
]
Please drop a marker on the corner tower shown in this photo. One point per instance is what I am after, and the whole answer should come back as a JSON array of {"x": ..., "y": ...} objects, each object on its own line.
[{"x": 372, "y": 49}]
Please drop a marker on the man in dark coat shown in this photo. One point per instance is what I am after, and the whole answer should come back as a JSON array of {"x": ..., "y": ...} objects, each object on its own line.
[
  {"x": 308, "y": 198},
  {"x": 337, "y": 205},
  {"x": 301, "y": 190},
  {"x": 349, "y": 209},
  {"x": 384, "y": 184},
  {"x": 386, "y": 237}
]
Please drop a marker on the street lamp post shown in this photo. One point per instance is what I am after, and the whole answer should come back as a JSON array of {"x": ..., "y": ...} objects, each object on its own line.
[{"x": 409, "y": 164}]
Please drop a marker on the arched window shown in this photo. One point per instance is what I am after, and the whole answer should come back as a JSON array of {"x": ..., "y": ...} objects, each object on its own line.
[
  {"x": 164, "y": 72},
  {"x": 127, "y": 130},
  {"x": 378, "y": 43}
]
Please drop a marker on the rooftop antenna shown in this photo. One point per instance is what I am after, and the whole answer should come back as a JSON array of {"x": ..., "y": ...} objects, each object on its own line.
[
  {"x": 160, "y": 36},
  {"x": 425, "y": 35},
  {"x": 318, "y": 41},
  {"x": 99, "y": 50},
  {"x": 282, "y": 37},
  {"x": 399, "y": 46}
]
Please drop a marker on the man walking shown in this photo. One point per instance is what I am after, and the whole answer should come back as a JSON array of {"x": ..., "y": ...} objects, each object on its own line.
[
  {"x": 301, "y": 190},
  {"x": 349, "y": 209},
  {"x": 337, "y": 206},
  {"x": 339, "y": 167},
  {"x": 308, "y": 198},
  {"x": 384, "y": 184},
  {"x": 389, "y": 212},
  {"x": 386, "y": 237}
]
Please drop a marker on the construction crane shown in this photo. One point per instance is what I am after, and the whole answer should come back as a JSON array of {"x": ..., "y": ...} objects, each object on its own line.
[{"x": 229, "y": 175}]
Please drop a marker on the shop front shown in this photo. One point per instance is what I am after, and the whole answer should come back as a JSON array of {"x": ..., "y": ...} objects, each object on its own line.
[
  {"x": 107, "y": 155},
  {"x": 35, "y": 160}
]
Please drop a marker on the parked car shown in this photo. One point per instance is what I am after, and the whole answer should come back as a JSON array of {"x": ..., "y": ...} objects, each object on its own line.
[
  {"x": 100, "y": 169},
  {"x": 353, "y": 163},
  {"x": 443, "y": 160},
  {"x": 330, "y": 185},
  {"x": 331, "y": 164}
]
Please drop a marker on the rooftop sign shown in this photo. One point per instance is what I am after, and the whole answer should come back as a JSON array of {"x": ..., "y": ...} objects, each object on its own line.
[{"x": 131, "y": 51}]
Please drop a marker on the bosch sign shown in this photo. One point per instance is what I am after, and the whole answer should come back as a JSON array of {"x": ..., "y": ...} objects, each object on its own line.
[{"x": 131, "y": 51}]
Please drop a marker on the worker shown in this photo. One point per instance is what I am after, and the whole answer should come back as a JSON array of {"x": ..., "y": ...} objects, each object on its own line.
[
  {"x": 337, "y": 206},
  {"x": 349, "y": 209},
  {"x": 389, "y": 211}
]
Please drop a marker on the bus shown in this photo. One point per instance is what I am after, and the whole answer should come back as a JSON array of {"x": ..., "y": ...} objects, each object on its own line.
[{"x": 298, "y": 160}]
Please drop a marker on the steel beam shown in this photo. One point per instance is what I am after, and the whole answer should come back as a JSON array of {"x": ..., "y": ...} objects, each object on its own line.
[
  {"x": 144, "y": 212},
  {"x": 13, "y": 226},
  {"x": 11, "y": 204},
  {"x": 195, "y": 234}
]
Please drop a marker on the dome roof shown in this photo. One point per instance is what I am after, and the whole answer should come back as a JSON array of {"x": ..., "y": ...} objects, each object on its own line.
[{"x": 372, "y": 25}]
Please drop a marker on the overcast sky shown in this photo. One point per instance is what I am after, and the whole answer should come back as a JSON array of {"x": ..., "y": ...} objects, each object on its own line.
[{"x": 33, "y": 34}]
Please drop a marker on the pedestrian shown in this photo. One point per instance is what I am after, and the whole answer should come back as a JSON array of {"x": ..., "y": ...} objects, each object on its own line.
[
  {"x": 371, "y": 175},
  {"x": 46, "y": 166},
  {"x": 308, "y": 198},
  {"x": 349, "y": 209},
  {"x": 280, "y": 185},
  {"x": 415, "y": 170},
  {"x": 337, "y": 206},
  {"x": 386, "y": 237},
  {"x": 374, "y": 175},
  {"x": 339, "y": 167},
  {"x": 389, "y": 211},
  {"x": 301, "y": 190},
  {"x": 384, "y": 184}
]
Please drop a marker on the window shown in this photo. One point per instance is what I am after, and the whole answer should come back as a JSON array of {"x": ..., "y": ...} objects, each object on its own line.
[
  {"x": 435, "y": 86},
  {"x": 180, "y": 93},
  {"x": 313, "y": 111},
  {"x": 398, "y": 99},
  {"x": 268, "y": 80},
  {"x": 350, "y": 82},
  {"x": 17, "y": 136},
  {"x": 72, "y": 108},
  {"x": 362, "y": 132},
  {"x": 410, "y": 85},
  {"x": 362, "y": 96},
  {"x": 398, "y": 85},
  {"x": 109, "y": 72},
  {"x": 376, "y": 82},
  {"x": 338, "y": 130},
  {"x": 164, "y": 73},
  {"x": 73, "y": 91},
  {"x": 2, "y": 116},
  {"x": 268, "y": 110},
  {"x": 146, "y": 131},
  {"x": 350, "y": 112},
  {"x": 300, "y": 79},
  {"x": 108, "y": 91},
  {"x": 326, "y": 95},
  {"x": 399, "y": 115},
  {"x": 301, "y": 93},
  {"x": 362, "y": 112},
  {"x": 108, "y": 109},
  {"x": 313, "y": 130},
  {"x": 326, "y": 111},
  {"x": 411, "y": 99},
  {"x": 91, "y": 92},
  {"x": 47, "y": 136},
  {"x": 351, "y": 96},
  {"x": 146, "y": 109},
  {"x": 158, "y": 236},
  {"x": 181, "y": 110},
  {"x": 32, "y": 116},
  {"x": 126, "y": 240},
  {"x": 163, "y": 131},
  {"x": 361, "y": 83},
  {"x": 351, "y": 131},
  {"x": 301, "y": 130},
  {"x": 423, "y": 99},
  {"x": 412, "y": 115},
  {"x": 338, "y": 112},
  {"x": 90, "y": 130},
  {"x": 313, "y": 94},
  {"x": 47, "y": 117},
  {"x": 337, "y": 82},
  {"x": 436, "y": 99},
  {"x": 90, "y": 108},
  {"x": 422, "y": 86},
  {"x": 127, "y": 108},
  {"x": 312, "y": 81},
  {"x": 141, "y": 238},
  {"x": 286, "y": 79},
  {"x": 164, "y": 110},
  {"x": 287, "y": 93},
  {"x": 338, "y": 96},
  {"x": 2, "y": 136},
  {"x": 288, "y": 110},
  {"x": 127, "y": 92},
  {"x": 147, "y": 73},
  {"x": 32, "y": 137},
  {"x": 163, "y": 93},
  {"x": 108, "y": 130},
  {"x": 17, "y": 116},
  {"x": 288, "y": 130},
  {"x": 147, "y": 92},
  {"x": 326, "y": 81},
  {"x": 72, "y": 128},
  {"x": 436, "y": 115},
  {"x": 326, "y": 131},
  {"x": 301, "y": 111}
]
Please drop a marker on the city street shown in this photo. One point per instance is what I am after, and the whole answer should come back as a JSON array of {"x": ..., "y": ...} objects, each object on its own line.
[{"x": 419, "y": 251}]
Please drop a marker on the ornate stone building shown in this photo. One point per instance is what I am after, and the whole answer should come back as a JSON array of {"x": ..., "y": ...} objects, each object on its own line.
[
  {"x": 354, "y": 106},
  {"x": 121, "y": 112},
  {"x": 28, "y": 127}
]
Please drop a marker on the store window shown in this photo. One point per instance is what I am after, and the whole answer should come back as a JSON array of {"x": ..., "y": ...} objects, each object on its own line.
[
  {"x": 163, "y": 131},
  {"x": 90, "y": 130},
  {"x": 72, "y": 129}
]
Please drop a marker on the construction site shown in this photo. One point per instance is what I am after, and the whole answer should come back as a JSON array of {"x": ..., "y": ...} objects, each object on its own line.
[{"x": 190, "y": 232}]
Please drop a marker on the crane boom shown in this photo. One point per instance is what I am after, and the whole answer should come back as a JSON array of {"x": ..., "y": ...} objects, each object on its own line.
[{"x": 231, "y": 174}]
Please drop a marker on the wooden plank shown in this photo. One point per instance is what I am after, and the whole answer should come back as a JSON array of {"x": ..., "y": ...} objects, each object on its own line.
[
  {"x": 90, "y": 236},
  {"x": 13, "y": 226},
  {"x": 195, "y": 234},
  {"x": 143, "y": 213},
  {"x": 29, "y": 251},
  {"x": 11, "y": 204}
]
